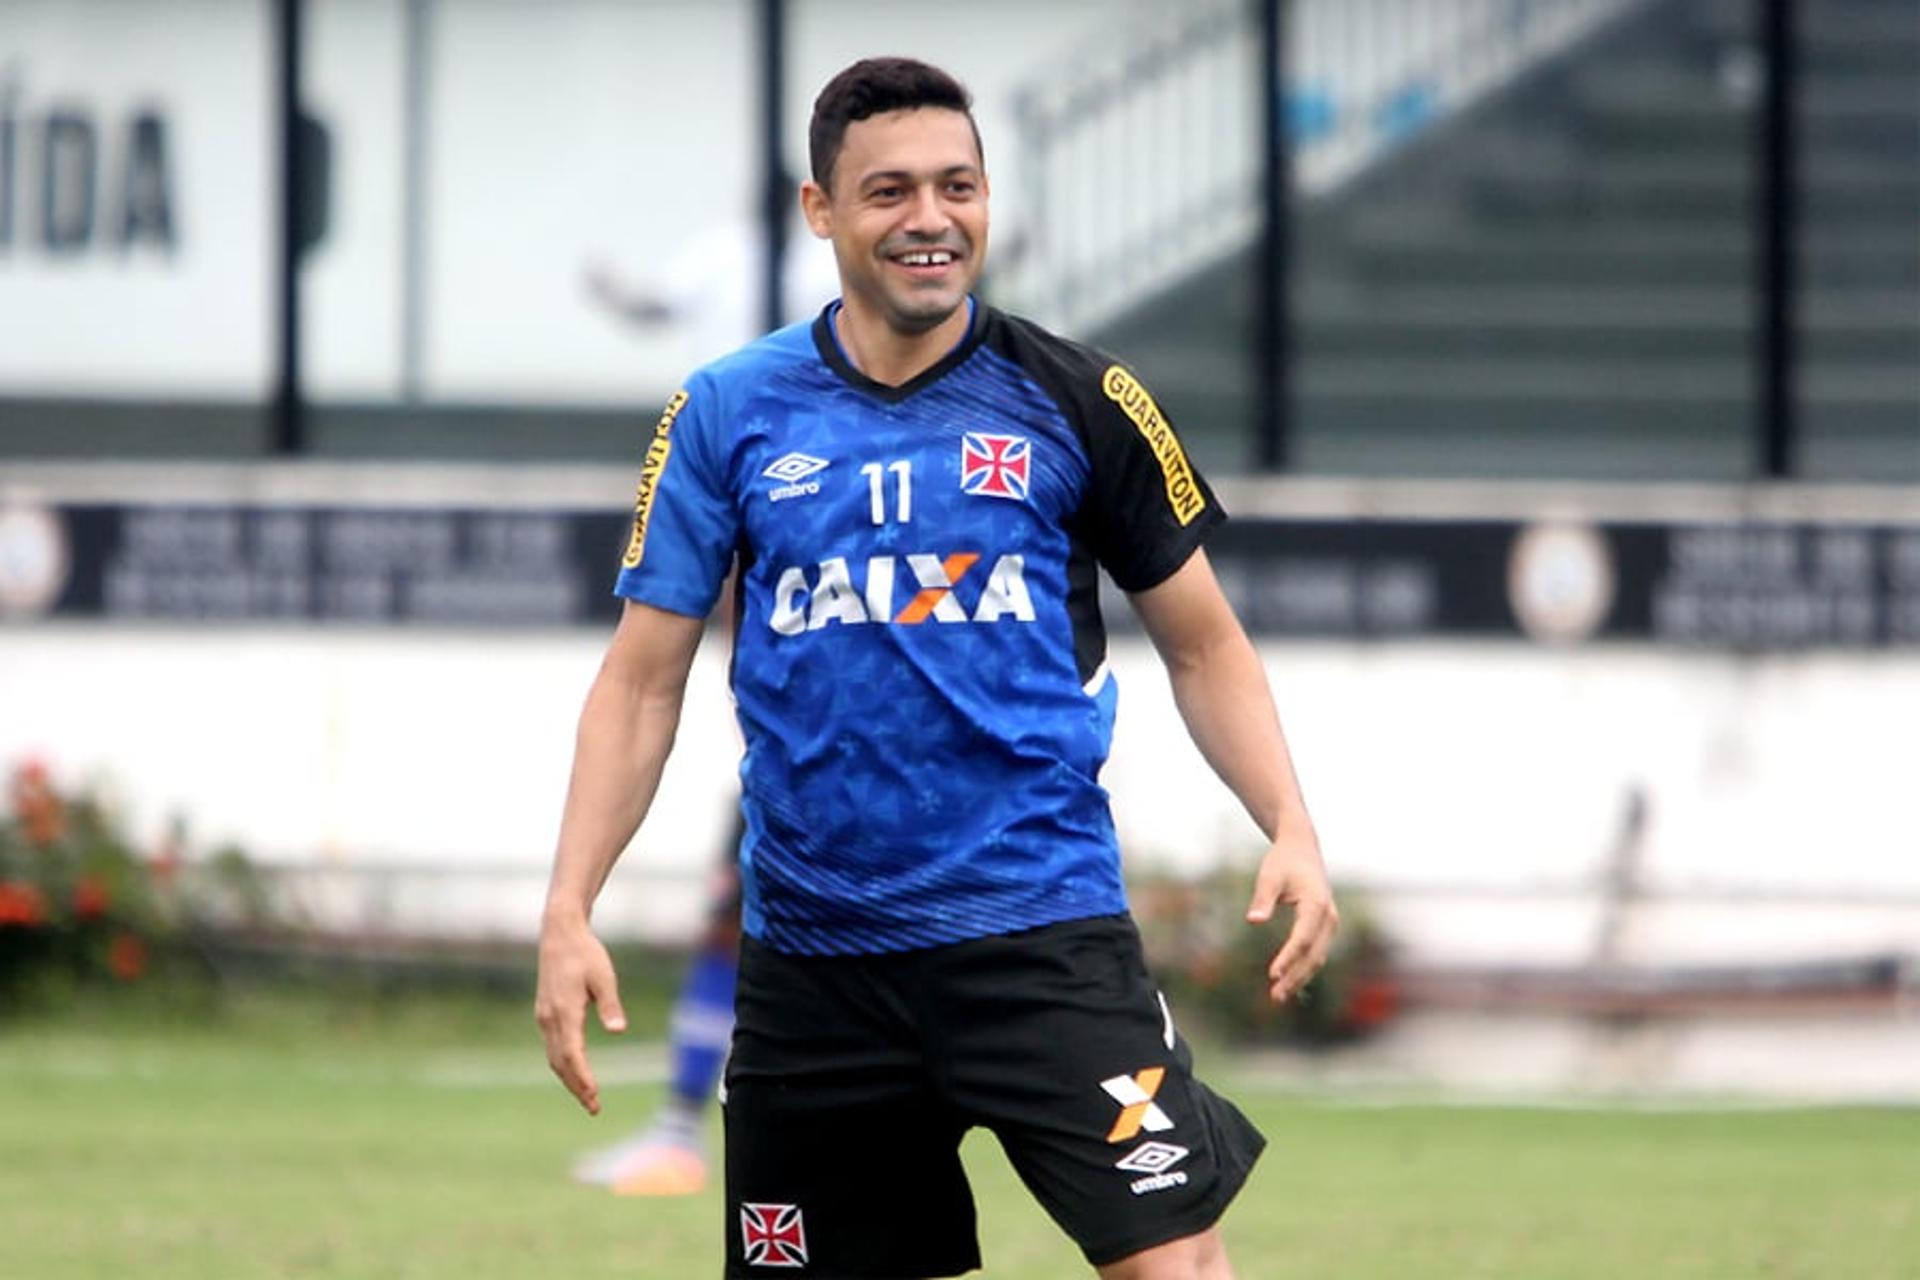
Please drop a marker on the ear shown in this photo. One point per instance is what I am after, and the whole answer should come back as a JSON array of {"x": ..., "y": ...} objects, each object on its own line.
[{"x": 817, "y": 205}]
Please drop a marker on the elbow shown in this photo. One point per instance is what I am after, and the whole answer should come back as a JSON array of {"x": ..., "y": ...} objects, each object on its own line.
[
  {"x": 1211, "y": 650},
  {"x": 626, "y": 696}
]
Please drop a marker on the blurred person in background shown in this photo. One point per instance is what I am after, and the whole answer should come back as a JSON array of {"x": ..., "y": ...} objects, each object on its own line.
[
  {"x": 936, "y": 931},
  {"x": 709, "y": 289}
]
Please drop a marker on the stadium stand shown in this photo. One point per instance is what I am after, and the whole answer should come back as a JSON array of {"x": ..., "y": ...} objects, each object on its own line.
[{"x": 1557, "y": 279}]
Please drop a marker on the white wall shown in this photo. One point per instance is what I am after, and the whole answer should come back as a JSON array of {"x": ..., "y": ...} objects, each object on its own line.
[
  {"x": 352, "y": 284},
  {"x": 108, "y": 320},
  {"x": 1497, "y": 767},
  {"x": 558, "y": 137},
  {"x": 563, "y": 135},
  {"x": 594, "y": 132}
]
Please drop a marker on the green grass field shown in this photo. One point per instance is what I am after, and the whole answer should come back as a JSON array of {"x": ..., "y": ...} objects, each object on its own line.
[{"x": 367, "y": 1148}]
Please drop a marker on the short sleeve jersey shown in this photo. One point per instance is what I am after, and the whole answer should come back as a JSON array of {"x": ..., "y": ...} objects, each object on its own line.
[{"x": 920, "y": 664}]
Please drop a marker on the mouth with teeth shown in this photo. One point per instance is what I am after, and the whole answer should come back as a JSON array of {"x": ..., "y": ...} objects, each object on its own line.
[{"x": 926, "y": 264}]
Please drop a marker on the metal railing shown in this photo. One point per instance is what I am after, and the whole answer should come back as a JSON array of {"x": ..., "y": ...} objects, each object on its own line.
[
  {"x": 1141, "y": 152},
  {"x": 1140, "y": 159}
]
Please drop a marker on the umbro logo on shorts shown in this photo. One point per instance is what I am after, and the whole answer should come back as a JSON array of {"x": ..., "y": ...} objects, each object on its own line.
[
  {"x": 1156, "y": 1160},
  {"x": 773, "y": 1235},
  {"x": 1138, "y": 1110},
  {"x": 1152, "y": 1157}
]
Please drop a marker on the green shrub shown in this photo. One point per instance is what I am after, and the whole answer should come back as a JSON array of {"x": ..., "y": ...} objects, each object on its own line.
[
  {"x": 1212, "y": 963},
  {"x": 82, "y": 904}
]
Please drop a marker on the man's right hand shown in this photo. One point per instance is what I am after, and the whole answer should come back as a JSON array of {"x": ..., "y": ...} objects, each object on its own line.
[{"x": 575, "y": 970}]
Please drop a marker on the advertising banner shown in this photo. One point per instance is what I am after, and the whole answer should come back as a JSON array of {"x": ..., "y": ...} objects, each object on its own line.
[{"x": 1741, "y": 586}]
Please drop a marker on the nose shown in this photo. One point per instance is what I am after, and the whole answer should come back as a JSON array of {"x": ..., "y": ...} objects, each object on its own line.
[{"x": 926, "y": 215}]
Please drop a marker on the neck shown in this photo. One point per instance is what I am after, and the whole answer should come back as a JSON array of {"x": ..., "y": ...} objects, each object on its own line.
[{"x": 887, "y": 355}]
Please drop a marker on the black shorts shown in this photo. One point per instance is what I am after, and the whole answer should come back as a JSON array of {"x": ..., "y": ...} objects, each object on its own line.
[{"x": 852, "y": 1079}]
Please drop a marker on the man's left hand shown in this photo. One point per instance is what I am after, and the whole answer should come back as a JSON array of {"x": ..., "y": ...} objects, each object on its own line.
[{"x": 1292, "y": 872}]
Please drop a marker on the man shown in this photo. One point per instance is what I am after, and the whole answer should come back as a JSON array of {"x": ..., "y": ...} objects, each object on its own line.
[{"x": 918, "y": 490}]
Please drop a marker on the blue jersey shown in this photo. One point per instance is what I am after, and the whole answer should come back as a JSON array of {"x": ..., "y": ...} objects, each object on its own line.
[{"x": 919, "y": 668}]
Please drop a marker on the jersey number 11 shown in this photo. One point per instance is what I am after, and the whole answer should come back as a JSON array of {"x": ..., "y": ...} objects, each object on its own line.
[{"x": 875, "y": 472}]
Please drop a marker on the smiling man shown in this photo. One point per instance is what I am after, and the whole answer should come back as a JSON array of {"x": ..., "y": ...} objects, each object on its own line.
[{"x": 919, "y": 493}]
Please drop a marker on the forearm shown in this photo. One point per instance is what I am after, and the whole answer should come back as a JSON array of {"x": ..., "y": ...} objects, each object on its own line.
[
  {"x": 620, "y": 750},
  {"x": 1223, "y": 696}
]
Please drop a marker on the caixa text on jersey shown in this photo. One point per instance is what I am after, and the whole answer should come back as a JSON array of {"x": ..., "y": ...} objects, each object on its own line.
[{"x": 901, "y": 590}]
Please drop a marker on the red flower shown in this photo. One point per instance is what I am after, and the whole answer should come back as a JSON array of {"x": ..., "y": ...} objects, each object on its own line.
[
  {"x": 1373, "y": 1003},
  {"x": 91, "y": 898},
  {"x": 21, "y": 904},
  {"x": 38, "y": 806},
  {"x": 127, "y": 957},
  {"x": 165, "y": 862},
  {"x": 46, "y": 823}
]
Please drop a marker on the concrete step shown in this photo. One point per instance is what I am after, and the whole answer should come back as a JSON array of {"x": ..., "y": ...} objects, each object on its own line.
[
  {"x": 1829, "y": 97},
  {"x": 1318, "y": 337},
  {"x": 1870, "y": 33},
  {"x": 1851, "y": 191},
  {"x": 1474, "y": 329},
  {"x": 1567, "y": 259},
  {"x": 1553, "y": 165},
  {"x": 1826, "y": 225},
  {"x": 1712, "y": 383},
  {"x": 1542, "y": 382},
  {"x": 1837, "y": 443},
  {"x": 1592, "y": 393},
  {"x": 1421, "y": 229},
  {"x": 1418, "y": 436},
  {"x": 1410, "y": 438},
  {"x": 1515, "y": 440},
  {"x": 1623, "y": 307},
  {"x": 1423, "y": 222},
  {"x": 1708, "y": 122},
  {"x": 1858, "y": 94}
]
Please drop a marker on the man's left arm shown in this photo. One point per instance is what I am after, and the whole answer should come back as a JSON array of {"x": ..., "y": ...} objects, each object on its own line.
[{"x": 1221, "y": 690}]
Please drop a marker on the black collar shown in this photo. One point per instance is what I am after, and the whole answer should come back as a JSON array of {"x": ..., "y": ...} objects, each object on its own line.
[{"x": 828, "y": 346}]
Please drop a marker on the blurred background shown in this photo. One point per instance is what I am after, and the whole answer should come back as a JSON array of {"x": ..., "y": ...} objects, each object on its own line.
[{"x": 1558, "y": 359}]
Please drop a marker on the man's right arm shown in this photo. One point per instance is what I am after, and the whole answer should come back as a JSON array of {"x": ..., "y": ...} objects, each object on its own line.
[{"x": 626, "y": 730}]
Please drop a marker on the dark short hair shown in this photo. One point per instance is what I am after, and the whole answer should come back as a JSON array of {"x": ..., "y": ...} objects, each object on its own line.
[{"x": 871, "y": 87}]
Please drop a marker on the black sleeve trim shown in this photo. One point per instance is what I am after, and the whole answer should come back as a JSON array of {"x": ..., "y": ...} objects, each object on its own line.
[
  {"x": 1177, "y": 554},
  {"x": 1147, "y": 507}
]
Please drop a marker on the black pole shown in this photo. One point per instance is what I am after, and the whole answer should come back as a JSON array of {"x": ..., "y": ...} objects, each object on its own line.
[
  {"x": 1272, "y": 340},
  {"x": 1778, "y": 213},
  {"x": 777, "y": 189},
  {"x": 289, "y": 428}
]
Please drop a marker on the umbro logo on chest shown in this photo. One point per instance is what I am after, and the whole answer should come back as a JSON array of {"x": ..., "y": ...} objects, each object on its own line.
[{"x": 794, "y": 471}]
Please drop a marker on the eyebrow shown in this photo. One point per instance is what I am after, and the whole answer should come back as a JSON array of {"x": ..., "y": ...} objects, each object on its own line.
[{"x": 902, "y": 175}]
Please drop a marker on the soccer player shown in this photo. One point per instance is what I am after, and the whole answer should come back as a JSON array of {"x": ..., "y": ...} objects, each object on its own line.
[{"x": 920, "y": 491}]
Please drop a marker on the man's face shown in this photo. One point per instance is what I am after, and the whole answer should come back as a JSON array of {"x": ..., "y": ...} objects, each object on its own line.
[{"x": 907, "y": 214}]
